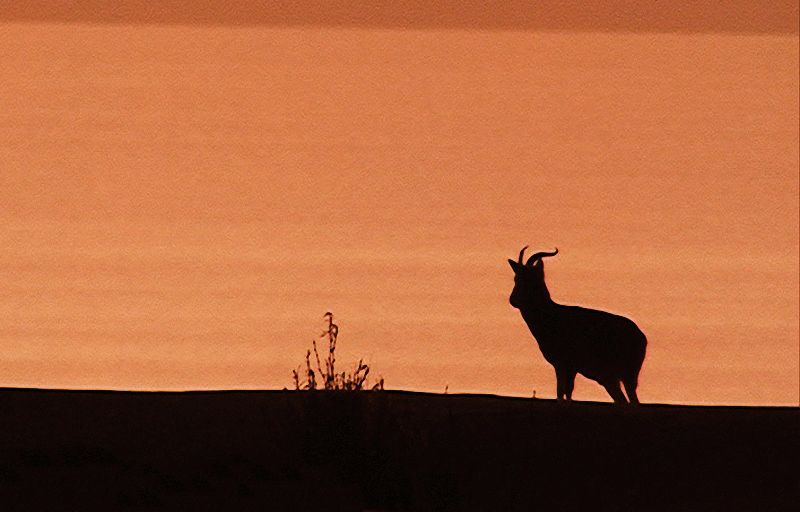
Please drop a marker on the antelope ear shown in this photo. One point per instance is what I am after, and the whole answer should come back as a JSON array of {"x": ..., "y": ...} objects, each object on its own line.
[{"x": 516, "y": 267}]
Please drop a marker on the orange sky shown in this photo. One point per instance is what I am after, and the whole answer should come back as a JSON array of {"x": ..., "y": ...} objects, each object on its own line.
[{"x": 182, "y": 202}]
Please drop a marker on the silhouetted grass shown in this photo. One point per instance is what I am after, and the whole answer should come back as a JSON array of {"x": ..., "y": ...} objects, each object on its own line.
[{"x": 330, "y": 379}]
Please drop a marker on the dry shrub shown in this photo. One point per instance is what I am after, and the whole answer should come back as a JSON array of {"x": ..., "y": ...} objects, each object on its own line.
[{"x": 327, "y": 377}]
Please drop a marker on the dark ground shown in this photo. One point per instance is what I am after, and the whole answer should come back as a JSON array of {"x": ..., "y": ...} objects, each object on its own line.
[{"x": 279, "y": 450}]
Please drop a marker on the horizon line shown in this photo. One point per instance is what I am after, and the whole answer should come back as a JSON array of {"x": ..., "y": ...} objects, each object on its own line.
[
  {"x": 679, "y": 16},
  {"x": 371, "y": 392}
]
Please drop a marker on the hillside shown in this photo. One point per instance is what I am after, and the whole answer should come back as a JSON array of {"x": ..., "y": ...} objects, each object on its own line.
[{"x": 283, "y": 450}]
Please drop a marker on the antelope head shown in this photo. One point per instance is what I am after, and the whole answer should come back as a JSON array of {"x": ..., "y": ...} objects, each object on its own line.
[{"x": 529, "y": 287}]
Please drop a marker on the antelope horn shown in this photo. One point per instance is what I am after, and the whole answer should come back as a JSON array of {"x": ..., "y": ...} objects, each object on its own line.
[
  {"x": 540, "y": 255},
  {"x": 521, "y": 253}
]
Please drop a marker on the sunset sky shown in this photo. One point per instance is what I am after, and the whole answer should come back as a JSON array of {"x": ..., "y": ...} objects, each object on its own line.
[{"x": 186, "y": 190}]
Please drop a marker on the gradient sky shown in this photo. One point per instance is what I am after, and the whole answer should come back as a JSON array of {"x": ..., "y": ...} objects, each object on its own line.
[{"x": 181, "y": 200}]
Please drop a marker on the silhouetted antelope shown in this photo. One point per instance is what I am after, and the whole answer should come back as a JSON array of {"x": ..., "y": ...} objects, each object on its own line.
[{"x": 603, "y": 347}]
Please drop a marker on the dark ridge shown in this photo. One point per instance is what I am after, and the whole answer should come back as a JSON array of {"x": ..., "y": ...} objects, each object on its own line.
[
  {"x": 680, "y": 16},
  {"x": 391, "y": 450},
  {"x": 485, "y": 397}
]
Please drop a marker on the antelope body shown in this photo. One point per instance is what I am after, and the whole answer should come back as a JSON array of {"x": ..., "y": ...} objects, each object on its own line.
[{"x": 601, "y": 346}]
